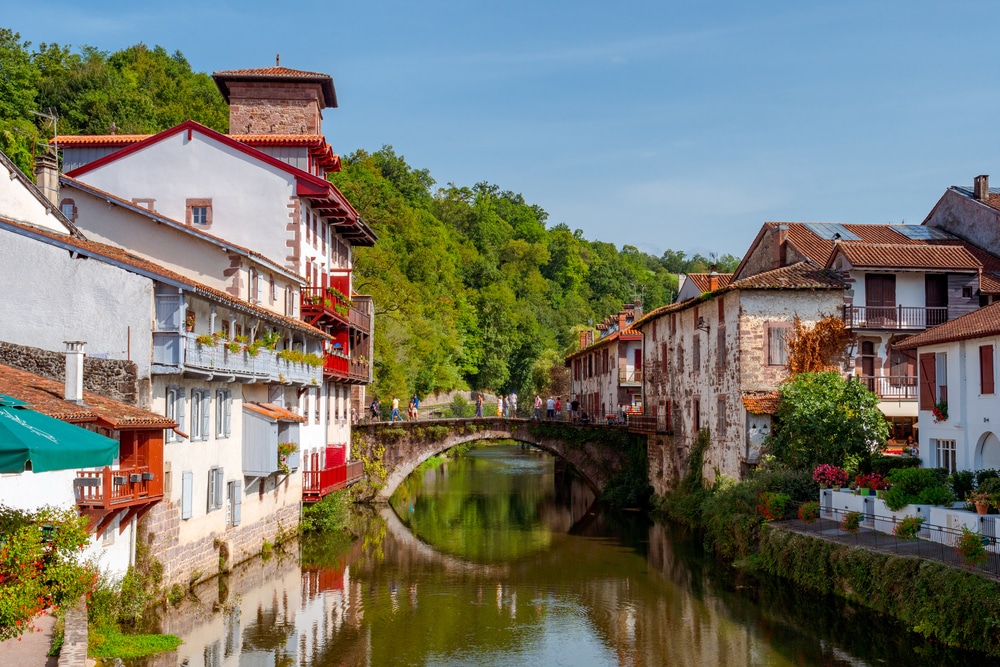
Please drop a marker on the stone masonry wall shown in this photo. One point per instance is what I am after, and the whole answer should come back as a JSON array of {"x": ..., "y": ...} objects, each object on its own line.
[
  {"x": 273, "y": 108},
  {"x": 114, "y": 378},
  {"x": 180, "y": 561}
]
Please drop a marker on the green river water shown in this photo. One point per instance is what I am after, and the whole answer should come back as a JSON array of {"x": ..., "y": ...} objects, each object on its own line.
[{"x": 499, "y": 557}]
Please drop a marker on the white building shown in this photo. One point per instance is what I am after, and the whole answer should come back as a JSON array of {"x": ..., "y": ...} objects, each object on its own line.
[
  {"x": 606, "y": 374},
  {"x": 957, "y": 374}
]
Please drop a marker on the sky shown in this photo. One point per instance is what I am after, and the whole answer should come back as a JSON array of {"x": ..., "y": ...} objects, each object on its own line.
[{"x": 663, "y": 125}]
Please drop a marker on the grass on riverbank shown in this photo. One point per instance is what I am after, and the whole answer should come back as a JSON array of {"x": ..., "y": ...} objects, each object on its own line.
[
  {"x": 117, "y": 607},
  {"x": 110, "y": 642}
]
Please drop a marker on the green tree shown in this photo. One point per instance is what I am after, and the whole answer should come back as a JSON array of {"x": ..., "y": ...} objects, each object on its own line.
[{"x": 823, "y": 418}]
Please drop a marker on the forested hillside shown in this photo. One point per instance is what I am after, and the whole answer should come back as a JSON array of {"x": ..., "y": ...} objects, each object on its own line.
[{"x": 473, "y": 287}]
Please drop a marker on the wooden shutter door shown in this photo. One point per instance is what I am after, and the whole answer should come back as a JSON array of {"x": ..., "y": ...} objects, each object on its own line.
[
  {"x": 986, "y": 384},
  {"x": 928, "y": 381},
  {"x": 880, "y": 299}
]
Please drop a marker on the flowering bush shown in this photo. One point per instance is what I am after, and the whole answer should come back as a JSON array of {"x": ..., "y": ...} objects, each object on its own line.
[
  {"x": 809, "y": 512},
  {"x": 940, "y": 412},
  {"x": 970, "y": 548},
  {"x": 872, "y": 480},
  {"x": 771, "y": 505},
  {"x": 851, "y": 522},
  {"x": 830, "y": 474},
  {"x": 908, "y": 527}
]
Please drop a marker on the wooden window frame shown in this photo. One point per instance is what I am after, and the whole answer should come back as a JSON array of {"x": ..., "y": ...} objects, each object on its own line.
[{"x": 190, "y": 205}]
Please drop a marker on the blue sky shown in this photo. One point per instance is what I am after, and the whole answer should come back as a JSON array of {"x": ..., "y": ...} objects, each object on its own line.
[{"x": 667, "y": 124}]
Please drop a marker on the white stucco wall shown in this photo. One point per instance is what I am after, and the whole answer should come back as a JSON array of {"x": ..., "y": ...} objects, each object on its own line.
[
  {"x": 49, "y": 297},
  {"x": 18, "y": 203},
  {"x": 250, "y": 198}
]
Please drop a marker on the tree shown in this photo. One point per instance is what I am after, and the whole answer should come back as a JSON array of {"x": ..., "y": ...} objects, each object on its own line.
[{"x": 822, "y": 418}]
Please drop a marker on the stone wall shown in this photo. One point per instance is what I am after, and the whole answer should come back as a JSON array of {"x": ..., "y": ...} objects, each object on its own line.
[
  {"x": 113, "y": 378},
  {"x": 162, "y": 527},
  {"x": 667, "y": 460}
]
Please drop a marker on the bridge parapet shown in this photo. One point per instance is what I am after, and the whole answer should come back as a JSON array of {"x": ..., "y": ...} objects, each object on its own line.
[{"x": 597, "y": 452}]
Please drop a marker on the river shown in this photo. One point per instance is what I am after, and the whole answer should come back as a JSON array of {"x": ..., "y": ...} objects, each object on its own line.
[{"x": 500, "y": 557}]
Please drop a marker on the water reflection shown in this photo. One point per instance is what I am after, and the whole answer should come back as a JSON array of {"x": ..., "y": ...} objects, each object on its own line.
[{"x": 502, "y": 562}]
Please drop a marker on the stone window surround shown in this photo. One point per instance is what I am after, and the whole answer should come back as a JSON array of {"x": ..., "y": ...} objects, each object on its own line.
[{"x": 192, "y": 204}]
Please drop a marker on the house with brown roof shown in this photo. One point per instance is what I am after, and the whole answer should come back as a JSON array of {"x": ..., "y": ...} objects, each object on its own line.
[
  {"x": 959, "y": 407},
  {"x": 260, "y": 196},
  {"x": 606, "y": 374},
  {"x": 693, "y": 285},
  {"x": 973, "y": 214},
  {"x": 715, "y": 361},
  {"x": 902, "y": 279}
]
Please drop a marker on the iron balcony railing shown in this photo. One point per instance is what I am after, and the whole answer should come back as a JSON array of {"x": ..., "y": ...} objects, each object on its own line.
[
  {"x": 891, "y": 386},
  {"x": 894, "y": 317}
]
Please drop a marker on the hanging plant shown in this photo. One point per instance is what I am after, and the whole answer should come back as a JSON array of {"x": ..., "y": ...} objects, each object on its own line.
[{"x": 940, "y": 412}]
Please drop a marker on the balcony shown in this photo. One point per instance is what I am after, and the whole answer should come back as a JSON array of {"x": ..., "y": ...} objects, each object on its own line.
[
  {"x": 907, "y": 318},
  {"x": 360, "y": 371},
  {"x": 336, "y": 366},
  {"x": 318, "y": 483},
  {"x": 175, "y": 352},
  {"x": 900, "y": 388},
  {"x": 630, "y": 376},
  {"x": 113, "y": 489},
  {"x": 325, "y": 305}
]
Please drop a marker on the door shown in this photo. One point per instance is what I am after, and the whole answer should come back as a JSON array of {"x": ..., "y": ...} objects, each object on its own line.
[
  {"x": 936, "y": 299},
  {"x": 868, "y": 364},
  {"x": 880, "y": 300}
]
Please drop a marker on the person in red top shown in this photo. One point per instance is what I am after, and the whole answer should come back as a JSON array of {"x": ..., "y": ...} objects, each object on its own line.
[{"x": 559, "y": 408}]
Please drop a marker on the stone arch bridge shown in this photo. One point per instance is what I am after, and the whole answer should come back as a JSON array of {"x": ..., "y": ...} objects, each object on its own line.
[{"x": 597, "y": 452}]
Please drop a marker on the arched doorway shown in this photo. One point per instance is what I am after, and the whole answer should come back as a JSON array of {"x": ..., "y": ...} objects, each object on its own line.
[{"x": 988, "y": 452}]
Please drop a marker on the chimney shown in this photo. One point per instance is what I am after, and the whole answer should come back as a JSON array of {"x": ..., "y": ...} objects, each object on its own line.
[
  {"x": 586, "y": 338},
  {"x": 780, "y": 233},
  {"x": 622, "y": 319},
  {"x": 713, "y": 280},
  {"x": 981, "y": 187},
  {"x": 47, "y": 176},
  {"x": 74, "y": 371}
]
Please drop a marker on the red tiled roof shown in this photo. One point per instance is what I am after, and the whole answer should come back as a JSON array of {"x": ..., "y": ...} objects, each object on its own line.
[
  {"x": 977, "y": 324},
  {"x": 275, "y": 412},
  {"x": 702, "y": 280},
  {"x": 800, "y": 275},
  {"x": 277, "y": 74},
  {"x": 762, "y": 404},
  {"x": 280, "y": 72},
  {"x": 47, "y": 396},
  {"x": 121, "y": 256},
  {"x": 885, "y": 255}
]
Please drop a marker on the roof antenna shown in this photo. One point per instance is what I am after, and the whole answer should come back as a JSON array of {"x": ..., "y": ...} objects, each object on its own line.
[{"x": 277, "y": 60}]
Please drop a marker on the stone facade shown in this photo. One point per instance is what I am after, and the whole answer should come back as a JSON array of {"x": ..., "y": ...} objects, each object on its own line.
[
  {"x": 274, "y": 108},
  {"x": 114, "y": 378}
]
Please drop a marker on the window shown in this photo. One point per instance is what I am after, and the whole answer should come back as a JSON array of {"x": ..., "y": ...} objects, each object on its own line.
[
  {"x": 223, "y": 413},
  {"x": 933, "y": 379},
  {"x": 216, "y": 488},
  {"x": 777, "y": 344},
  {"x": 175, "y": 411},
  {"x": 68, "y": 208},
  {"x": 289, "y": 301},
  {"x": 720, "y": 416},
  {"x": 254, "y": 286},
  {"x": 941, "y": 375},
  {"x": 696, "y": 414},
  {"x": 274, "y": 289},
  {"x": 986, "y": 383},
  {"x": 696, "y": 353},
  {"x": 187, "y": 490},
  {"x": 201, "y": 408},
  {"x": 199, "y": 212},
  {"x": 967, "y": 292},
  {"x": 944, "y": 454}
]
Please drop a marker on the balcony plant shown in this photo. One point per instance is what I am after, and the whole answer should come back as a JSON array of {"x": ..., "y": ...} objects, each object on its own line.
[
  {"x": 982, "y": 501},
  {"x": 285, "y": 449},
  {"x": 970, "y": 548},
  {"x": 940, "y": 412},
  {"x": 830, "y": 475},
  {"x": 908, "y": 527},
  {"x": 206, "y": 340},
  {"x": 233, "y": 346},
  {"x": 873, "y": 481},
  {"x": 189, "y": 322}
]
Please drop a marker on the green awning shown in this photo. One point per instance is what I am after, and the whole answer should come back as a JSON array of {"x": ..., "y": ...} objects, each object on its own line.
[{"x": 48, "y": 443}]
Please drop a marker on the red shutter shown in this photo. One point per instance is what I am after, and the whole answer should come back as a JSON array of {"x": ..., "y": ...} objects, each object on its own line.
[
  {"x": 986, "y": 385},
  {"x": 928, "y": 382}
]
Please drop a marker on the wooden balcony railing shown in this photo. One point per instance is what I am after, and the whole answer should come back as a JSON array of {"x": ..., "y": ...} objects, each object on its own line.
[
  {"x": 629, "y": 376},
  {"x": 110, "y": 489},
  {"x": 359, "y": 371},
  {"x": 322, "y": 303},
  {"x": 361, "y": 320},
  {"x": 318, "y": 483},
  {"x": 335, "y": 365},
  {"x": 894, "y": 317},
  {"x": 901, "y": 387}
]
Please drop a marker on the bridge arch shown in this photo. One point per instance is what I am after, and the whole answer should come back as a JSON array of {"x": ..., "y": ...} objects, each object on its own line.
[{"x": 589, "y": 449}]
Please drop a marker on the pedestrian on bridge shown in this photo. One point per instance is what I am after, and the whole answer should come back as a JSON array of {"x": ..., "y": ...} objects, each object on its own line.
[
  {"x": 375, "y": 408},
  {"x": 550, "y": 408},
  {"x": 479, "y": 404},
  {"x": 538, "y": 407},
  {"x": 499, "y": 406},
  {"x": 558, "y": 407},
  {"x": 395, "y": 410},
  {"x": 513, "y": 404}
]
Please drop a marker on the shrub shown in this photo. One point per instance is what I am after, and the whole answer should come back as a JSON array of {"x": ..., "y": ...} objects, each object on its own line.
[
  {"x": 328, "y": 515},
  {"x": 771, "y": 505},
  {"x": 830, "y": 474},
  {"x": 799, "y": 485},
  {"x": 872, "y": 480},
  {"x": 908, "y": 527},
  {"x": 885, "y": 464},
  {"x": 962, "y": 482},
  {"x": 991, "y": 487},
  {"x": 916, "y": 486},
  {"x": 986, "y": 474},
  {"x": 969, "y": 547},
  {"x": 851, "y": 522},
  {"x": 809, "y": 512}
]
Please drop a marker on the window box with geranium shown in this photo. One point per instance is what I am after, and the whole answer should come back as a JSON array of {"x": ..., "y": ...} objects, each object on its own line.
[
  {"x": 285, "y": 452},
  {"x": 940, "y": 412},
  {"x": 830, "y": 475},
  {"x": 870, "y": 483}
]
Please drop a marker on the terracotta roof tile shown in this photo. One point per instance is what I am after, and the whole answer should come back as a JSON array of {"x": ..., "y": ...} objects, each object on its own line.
[
  {"x": 885, "y": 255},
  {"x": 47, "y": 396},
  {"x": 281, "y": 72},
  {"x": 762, "y": 404},
  {"x": 276, "y": 73},
  {"x": 992, "y": 197},
  {"x": 977, "y": 324},
  {"x": 275, "y": 412},
  {"x": 801, "y": 275},
  {"x": 124, "y": 257},
  {"x": 701, "y": 280}
]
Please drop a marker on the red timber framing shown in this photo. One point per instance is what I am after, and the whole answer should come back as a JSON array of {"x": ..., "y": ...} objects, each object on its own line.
[{"x": 338, "y": 474}]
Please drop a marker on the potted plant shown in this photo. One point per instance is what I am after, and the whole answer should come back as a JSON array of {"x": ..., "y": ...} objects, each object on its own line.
[
  {"x": 851, "y": 522},
  {"x": 908, "y": 527},
  {"x": 809, "y": 511},
  {"x": 285, "y": 449},
  {"x": 830, "y": 475},
  {"x": 970, "y": 548},
  {"x": 940, "y": 412},
  {"x": 206, "y": 340},
  {"x": 982, "y": 501}
]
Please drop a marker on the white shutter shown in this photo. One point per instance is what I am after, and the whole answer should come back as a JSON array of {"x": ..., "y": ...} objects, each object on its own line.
[
  {"x": 219, "y": 488},
  {"x": 179, "y": 412},
  {"x": 206, "y": 410},
  {"x": 210, "y": 505},
  {"x": 187, "y": 490},
  {"x": 229, "y": 413},
  {"x": 237, "y": 501}
]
